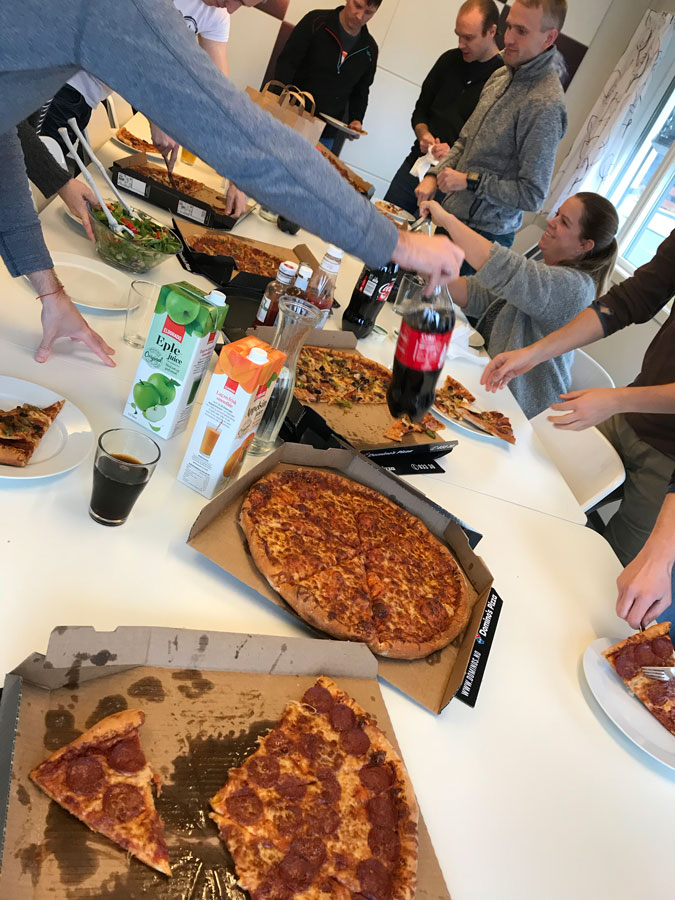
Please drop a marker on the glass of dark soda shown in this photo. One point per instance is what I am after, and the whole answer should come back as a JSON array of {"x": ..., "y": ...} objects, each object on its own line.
[{"x": 124, "y": 462}]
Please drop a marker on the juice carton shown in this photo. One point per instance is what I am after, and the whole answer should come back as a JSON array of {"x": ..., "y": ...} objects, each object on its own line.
[
  {"x": 232, "y": 409},
  {"x": 176, "y": 354}
]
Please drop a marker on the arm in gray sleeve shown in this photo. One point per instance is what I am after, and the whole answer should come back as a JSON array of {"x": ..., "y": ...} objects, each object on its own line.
[
  {"x": 540, "y": 128},
  {"x": 43, "y": 170},
  {"x": 22, "y": 246},
  {"x": 550, "y": 294},
  {"x": 478, "y": 297}
]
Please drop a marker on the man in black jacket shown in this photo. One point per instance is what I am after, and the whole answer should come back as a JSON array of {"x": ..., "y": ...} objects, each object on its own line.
[
  {"x": 331, "y": 54},
  {"x": 450, "y": 93}
]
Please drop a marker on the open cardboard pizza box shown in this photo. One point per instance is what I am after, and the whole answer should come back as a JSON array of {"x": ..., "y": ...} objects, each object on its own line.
[
  {"x": 364, "y": 187},
  {"x": 207, "y": 696},
  {"x": 364, "y": 424},
  {"x": 432, "y": 681},
  {"x": 206, "y": 207}
]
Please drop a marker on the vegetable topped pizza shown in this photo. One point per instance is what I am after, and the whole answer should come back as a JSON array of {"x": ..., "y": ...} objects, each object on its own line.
[
  {"x": 21, "y": 430},
  {"x": 456, "y": 402}
]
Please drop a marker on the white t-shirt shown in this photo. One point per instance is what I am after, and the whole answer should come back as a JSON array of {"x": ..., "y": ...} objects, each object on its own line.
[{"x": 211, "y": 22}]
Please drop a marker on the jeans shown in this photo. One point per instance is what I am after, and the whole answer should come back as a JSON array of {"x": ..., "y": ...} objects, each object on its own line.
[
  {"x": 327, "y": 142},
  {"x": 402, "y": 188}
]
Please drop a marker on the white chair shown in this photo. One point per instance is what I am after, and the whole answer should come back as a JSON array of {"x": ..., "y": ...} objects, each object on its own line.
[{"x": 587, "y": 461}]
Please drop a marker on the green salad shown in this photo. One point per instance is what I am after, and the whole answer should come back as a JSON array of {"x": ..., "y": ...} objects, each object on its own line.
[{"x": 148, "y": 244}]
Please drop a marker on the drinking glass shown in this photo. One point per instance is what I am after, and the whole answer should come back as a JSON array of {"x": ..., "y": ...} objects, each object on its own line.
[
  {"x": 186, "y": 156},
  {"x": 124, "y": 462},
  {"x": 140, "y": 308},
  {"x": 411, "y": 290}
]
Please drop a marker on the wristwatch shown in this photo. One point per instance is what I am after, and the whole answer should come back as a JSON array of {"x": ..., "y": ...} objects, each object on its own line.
[{"x": 472, "y": 180}]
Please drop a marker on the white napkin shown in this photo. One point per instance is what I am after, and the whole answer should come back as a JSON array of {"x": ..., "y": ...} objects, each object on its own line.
[{"x": 423, "y": 164}]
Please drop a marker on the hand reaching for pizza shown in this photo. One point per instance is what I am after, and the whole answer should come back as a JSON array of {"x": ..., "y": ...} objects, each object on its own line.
[
  {"x": 434, "y": 256},
  {"x": 76, "y": 195},
  {"x": 235, "y": 201},
  {"x": 166, "y": 146},
  {"x": 61, "y": 319}
]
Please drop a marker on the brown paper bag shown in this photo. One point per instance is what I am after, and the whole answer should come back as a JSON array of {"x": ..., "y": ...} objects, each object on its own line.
[{"x": 289, "y": 108}]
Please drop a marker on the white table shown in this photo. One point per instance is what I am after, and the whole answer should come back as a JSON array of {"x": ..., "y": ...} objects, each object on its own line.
[{"x": 532, "y": 795}]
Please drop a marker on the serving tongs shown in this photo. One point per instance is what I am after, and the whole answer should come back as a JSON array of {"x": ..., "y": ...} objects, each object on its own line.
[{"x": 115, "y": 226}]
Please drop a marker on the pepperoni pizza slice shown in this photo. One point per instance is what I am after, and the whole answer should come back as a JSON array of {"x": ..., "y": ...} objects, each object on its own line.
[
  {"x": 103, "y": 778},
  {"x": 651, "y": 647},
  {"x": 324, "y": 807}
]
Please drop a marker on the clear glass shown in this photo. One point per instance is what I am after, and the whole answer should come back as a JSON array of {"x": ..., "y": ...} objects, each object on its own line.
[
  {"x": 124, "y": 463},
  {"x": 410, "y": 290},
  {"x": 186, "y": 156},
  {"x": 140, "y": 308},
  {"x": 297, "y": 318}
]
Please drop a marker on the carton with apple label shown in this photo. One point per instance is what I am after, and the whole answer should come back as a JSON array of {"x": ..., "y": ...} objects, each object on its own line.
[
  {"x": 232, "y": 409},
  {"x": 176, "y": 354}
]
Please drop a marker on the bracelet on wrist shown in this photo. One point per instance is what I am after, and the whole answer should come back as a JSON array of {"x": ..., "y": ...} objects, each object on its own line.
[{"x": 49, "y": 293}]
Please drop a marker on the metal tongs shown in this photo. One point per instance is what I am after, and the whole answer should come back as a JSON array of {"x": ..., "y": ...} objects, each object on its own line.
[
  {"x": 417, "y": 224},
  {"x": 115, "y": 226}
]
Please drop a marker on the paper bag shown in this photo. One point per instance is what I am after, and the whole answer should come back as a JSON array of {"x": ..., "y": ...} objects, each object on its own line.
[{"x": 289, "y": 108}]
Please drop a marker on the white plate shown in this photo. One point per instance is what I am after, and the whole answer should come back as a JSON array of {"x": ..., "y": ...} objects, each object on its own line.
[
  {"x": 466, "y": 426},
  {"x": 625, "y": 710},
  {"x": 157, "y": 157},
  {"x": 90, "y": 283},
  {"x": 341, "y": 126},
  {"x": 67, "y": 442},
  {"x": 401, "y": 215}
]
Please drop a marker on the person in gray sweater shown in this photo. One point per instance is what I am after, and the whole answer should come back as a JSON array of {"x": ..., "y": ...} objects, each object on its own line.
[
  {"x": 142, "y": 49},
  {"x": 517, "y": 300},
  {"x": 503, "y": 160}
]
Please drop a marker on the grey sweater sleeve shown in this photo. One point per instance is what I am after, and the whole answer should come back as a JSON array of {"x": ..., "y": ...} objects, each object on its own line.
[
  {"x": 551, "y": 295},
  {"x": 478, "y": 297},
  {"x": 22, "y": 246},
  {"x": 43, "y": 170}
]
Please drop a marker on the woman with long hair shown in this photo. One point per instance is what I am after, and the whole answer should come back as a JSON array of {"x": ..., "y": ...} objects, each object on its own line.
[{"x": 515, "y": 301}]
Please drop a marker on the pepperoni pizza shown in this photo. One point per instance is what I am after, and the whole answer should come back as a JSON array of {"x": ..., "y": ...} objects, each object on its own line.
[
  {"x": 103, "y": 778},
  {"x": 651, "y": 647},
  {"x": 353, "y": 563},
  {"x": 246, "y": 258},
  {"x": 323, "y": 808},
  {"x": 131, "y": 140}
]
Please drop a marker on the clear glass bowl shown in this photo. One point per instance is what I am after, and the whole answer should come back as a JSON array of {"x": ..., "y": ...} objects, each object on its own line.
[{"x": 120, "y": 251}]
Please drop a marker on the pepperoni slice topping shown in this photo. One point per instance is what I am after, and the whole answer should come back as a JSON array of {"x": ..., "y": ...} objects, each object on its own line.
[
  {"x": 376, "y": 778},
  {"x": 323, "y": 819},
  {"x": 245, "y": 806},
  {"x": 311, "y": 745},
  {"x": 662, "y": 647},
  {"x": 288, "y": 820},
  {"x": 123, "y": 802},
  {"x": 291, "y": 787},
  {"x": 374, "y": 879},
  {"x": 126, "y": 756},
  {"x": 84, "y": 775},
  {"x": 659, "y": 692},
  {"x": 318, "y": 698},
  {"x": 645, "y": 656},
  {"x": 342, "y": 717},
  {"x": 625, "y": 663},
  {"x": 278, "y": 743},
  {"x": 272, "y": 889},
  {"x": 331, "y": 789},
  {"x": 381, "y": 810},
  {"x": 264, "y": 770},
  {"x": 384, "y": 843},
  {"x": 296, "y": 872},
  {"x": 310, "y": 848},
  {"x": 355, "y": 742}
]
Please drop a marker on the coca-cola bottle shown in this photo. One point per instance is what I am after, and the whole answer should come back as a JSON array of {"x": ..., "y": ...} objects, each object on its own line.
[
  {"x": 368, "y": 297},
  {"x": 421, "y": 348},
  {"x": 275, "y": 290}
]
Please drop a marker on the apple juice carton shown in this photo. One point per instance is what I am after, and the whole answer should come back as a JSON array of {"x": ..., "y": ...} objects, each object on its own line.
[
  {"x": 176, "y": 354},
  {"x": 232, "y": 409}
]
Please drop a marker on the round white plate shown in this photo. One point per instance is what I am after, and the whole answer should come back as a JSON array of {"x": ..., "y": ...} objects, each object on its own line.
[
  {"x": 337, "y": 123},
  {"x": 466, "y": 426},
  {"x": 626, "y": 711},
  {"x": 91, "y": 283},
  {"x": 67, "y": 442},
  {"x": 157, "y": 157},
  {"x": 401, "y": 215}
]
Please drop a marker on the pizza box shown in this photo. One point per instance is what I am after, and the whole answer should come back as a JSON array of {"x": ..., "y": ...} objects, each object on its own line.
[
  {"x": 432, "y": 681},
  {"x": 364, "y": 425},
  {"x": 364, "y": 187},
  {"x": 207, "y": 208},
  {"x": 207, "y": 697}
]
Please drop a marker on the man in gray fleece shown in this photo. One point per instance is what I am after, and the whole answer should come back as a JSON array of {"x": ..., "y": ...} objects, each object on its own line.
[
  {"x": 502, "y": 162},
  {"x": 142, "y": 49}
]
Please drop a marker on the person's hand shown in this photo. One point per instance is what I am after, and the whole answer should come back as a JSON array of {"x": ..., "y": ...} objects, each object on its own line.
[
  {"x": 644, "y": 588},
  {"x": 61, "y": 319},
  {"x": 427, "y": 141},
  {"x": 451, "y": 180},
  {"x": 434, "y": 256},
  {"x": 505, "y": 366},
  {"x": 433, "y": 210},
  {"x": 585, "y": 408},
  {"x": 426, "y": 189},
  {"x": 166, "y": 146},
  {"x": 235, "y": 201},
  {"x": 440, "y": 150},
  {"x": 357, "y": 126},
  {"x": 75, "y": 194}
]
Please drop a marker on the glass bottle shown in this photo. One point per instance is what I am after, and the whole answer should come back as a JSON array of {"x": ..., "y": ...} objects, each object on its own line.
[
  {"x": 368, "y": 297},
  {"x": 275, "y": 290},
  {"x": 301, "y": 283},
  {"x": 297, "y": 318},
  {"x": 322, "y": 283}
]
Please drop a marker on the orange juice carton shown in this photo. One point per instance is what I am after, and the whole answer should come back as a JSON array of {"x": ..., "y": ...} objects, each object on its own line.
[
  {"x": 175, "y": 357},
  {"x": 232, "y": 409}
]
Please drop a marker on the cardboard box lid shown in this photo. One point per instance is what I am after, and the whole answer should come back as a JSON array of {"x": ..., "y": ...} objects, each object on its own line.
[
  {"x": 200, "y": 722},
  {"x": 432, "y": 681}
]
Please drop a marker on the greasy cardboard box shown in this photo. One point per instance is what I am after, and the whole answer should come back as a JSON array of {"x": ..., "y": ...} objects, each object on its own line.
[
  {"x": 207, "y": 698},
  {"x": 216, "y": 533},
  {"x": 363, "y": 425}
]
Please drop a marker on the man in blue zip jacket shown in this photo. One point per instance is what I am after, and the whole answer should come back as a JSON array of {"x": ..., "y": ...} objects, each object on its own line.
[{"x": 332, "y": 55}]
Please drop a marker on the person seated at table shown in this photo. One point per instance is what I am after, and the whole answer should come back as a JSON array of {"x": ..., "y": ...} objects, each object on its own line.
[{"x": 517, "y": 300}]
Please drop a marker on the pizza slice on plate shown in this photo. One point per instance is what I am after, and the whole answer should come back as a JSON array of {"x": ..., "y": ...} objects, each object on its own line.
[
  {"x": 103, "y": 778},
  {"x": 21, "y": 430},
  {"x": 456, "y": 402},
  {"x": 651, "y": 647}
]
